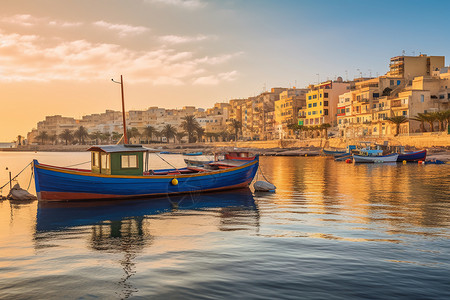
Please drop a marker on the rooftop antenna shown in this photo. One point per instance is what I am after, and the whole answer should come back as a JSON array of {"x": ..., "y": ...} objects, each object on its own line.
[
  {"x": 370, "y": 73},
  {"x": 403, "y": 52},
  {"x": 346, "y": 75}
]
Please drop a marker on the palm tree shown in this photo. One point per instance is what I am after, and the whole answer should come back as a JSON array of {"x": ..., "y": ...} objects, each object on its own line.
[
  {"x": 422, "y": 119},
  {"x": 325, "y": 127},
  {"x": 149, "y": 131},
  {"x": 116, "y": 136},
  {"x": 397, "y": 120},
  {"x": 106, "y": 137},
  {"x": 43, "y": 136},
  {"x": 66, "y": 135},
  {"x": 81, "y": 134},
  {"x": 133, "y": 132},
  {"x": 190, "y": 125},
  {"x": 53, "y": 138},
  {"x": 19, "y": 139},
  {"x": 169, "y": 132},
  {"x": 430, "y": 119},
  {"x": 159, "y": 135},
  {"x": 225, "y": 135},
  {"x": 441, "y": 117},
  {"x": 200, "y": 133},
  {"x": 180, "y": 135},
  {"x": 97, "y": 135},
  {"x": 236, "y": 126}
]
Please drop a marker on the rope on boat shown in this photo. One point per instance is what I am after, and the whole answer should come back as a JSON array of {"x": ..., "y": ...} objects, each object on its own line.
[
  {"x": 167, "y": 162},
  {"x": 78, "y": 164},
  {"x": 31, "y": 177},
  {"x": 16, "y": 176},
  {"x": 260, "y": 171}
]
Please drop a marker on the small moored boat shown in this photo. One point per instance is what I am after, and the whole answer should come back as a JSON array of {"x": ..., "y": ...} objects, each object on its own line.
[
  {"x": 375, "y": 158},
  {"x": 121, "y": 172},
  {"x": 412, "y": 156}
]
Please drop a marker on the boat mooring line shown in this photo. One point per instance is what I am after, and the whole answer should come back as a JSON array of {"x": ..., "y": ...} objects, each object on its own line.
[{"x": 16, "y": 175}]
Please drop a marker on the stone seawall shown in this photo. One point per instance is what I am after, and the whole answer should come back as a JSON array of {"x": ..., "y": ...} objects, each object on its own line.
[{"x": 422, "y": 141}]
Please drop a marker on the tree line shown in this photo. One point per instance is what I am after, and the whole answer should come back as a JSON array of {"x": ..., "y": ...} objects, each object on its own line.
[{"x": 191, "y": 129}]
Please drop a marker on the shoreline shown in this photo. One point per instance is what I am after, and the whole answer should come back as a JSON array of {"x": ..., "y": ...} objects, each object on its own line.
[{"x": 439, "y": 152}]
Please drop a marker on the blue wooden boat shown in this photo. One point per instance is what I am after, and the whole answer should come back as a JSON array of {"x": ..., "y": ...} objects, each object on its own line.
[
  {"x": 168, "y": 152},
  {"x": 193, "y": 153},
  {"x": 120, "y": 172},
  {"x": 412, "y": 156}
]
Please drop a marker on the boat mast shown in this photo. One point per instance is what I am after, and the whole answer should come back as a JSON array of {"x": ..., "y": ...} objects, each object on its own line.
[{"x": 125, "y": 138}]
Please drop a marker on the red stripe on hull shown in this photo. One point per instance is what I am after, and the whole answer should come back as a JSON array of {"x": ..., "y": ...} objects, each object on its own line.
[{"x": 65, "y": 196}]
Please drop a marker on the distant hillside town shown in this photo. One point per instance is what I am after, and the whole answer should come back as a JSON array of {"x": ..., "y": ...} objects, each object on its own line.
[{"x": 412, "y": 97}]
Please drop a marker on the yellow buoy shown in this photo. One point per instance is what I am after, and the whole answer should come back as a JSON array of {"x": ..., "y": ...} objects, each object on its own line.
[
  {"x": 174, "y": 181},
  {"x": 404, "y": 162},
  {"x": 306, "y": 154}
]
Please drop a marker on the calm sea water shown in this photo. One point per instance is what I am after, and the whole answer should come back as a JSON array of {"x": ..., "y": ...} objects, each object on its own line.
[{"x": 331, "y": 231}]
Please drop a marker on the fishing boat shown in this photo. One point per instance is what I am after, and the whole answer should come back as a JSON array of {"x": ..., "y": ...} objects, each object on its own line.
[
  {"x": 412, "y": 156},
  {"x": 375, "y": 158},
  {"x": 121, "y": 172}
]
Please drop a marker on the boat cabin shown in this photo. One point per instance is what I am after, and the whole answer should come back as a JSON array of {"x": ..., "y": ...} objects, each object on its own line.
[{"x": 119, "y": 159}]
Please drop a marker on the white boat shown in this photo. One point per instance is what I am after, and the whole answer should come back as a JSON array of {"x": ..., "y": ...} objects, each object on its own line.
[{"x": 375, "y": 158}]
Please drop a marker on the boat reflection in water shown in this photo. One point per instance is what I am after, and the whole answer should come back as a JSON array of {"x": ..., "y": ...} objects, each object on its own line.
[
  {"x": 57, "y": 216},
  {"x": 129, "y": 227}
]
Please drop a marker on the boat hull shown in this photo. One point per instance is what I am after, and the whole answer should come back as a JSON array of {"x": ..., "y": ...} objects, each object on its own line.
[
  {"x": 333, "y": 152},
  {"x": 53, "y": 184},
  {"x": 375, "y": 159},
  {"x": 413, "y": 156}
]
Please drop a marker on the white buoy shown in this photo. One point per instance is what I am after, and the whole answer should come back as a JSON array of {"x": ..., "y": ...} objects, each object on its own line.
[{"x": 264, "y": 186}]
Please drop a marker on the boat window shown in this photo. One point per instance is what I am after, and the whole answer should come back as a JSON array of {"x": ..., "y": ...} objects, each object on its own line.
[
  {"x": 105, "y": 161},
  {"x": 129, "y": 161},
  {"x": 95, "y": 159}
]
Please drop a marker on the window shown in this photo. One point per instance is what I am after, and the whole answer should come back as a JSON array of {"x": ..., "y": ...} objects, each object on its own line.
[
  {"x": 422, "y": 98},
  {"x": 309, "y": 113},
  {"x": 325, "y": 112},
  {"x": 309, "y": 97},
  {"x": 95, "y": 159},
  {"x": 129, "y": 161},
  {"x": 321, "y": 112},
  {"x": 404, "y": 112},
  {"x": 325, "y": 103},
  {"x": 320, "y": 95},
  {"x": 391, "y": 82},
  {"x": 309, "y": 105},
  {"x": 314, "y": 96},
  {"x": 376, "y": 95},
  {"x": 315, "y": 104},
  {"x": 320, "y": 103},
  {"x": 325, "y": 95},
  {"x": 105, "y": 161}
]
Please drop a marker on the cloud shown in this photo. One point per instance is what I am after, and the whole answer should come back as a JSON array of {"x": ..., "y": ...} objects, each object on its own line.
[
  {"x": 29, "y": 20},
  {"x": 176, "y": 39},
  {"x": 34, "y": 58},
  {"x": 122, "y": 29},
  {"x": 216, "y": 79},
  {"x": 191, "y": 4}
]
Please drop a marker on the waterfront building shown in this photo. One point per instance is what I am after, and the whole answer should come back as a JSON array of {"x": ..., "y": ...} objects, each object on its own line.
[
  {"x": 322, "y": 102},
  {"x": 287, "y": 109}
]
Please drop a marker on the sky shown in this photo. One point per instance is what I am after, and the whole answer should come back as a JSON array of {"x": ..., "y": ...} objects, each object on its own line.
[{"x": 58, "y": 57}]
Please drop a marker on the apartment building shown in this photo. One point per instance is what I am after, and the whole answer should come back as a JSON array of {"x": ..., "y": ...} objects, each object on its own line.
[
  {"x": 287, "y": 111},
  {"x": 322, "y": 102}
]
